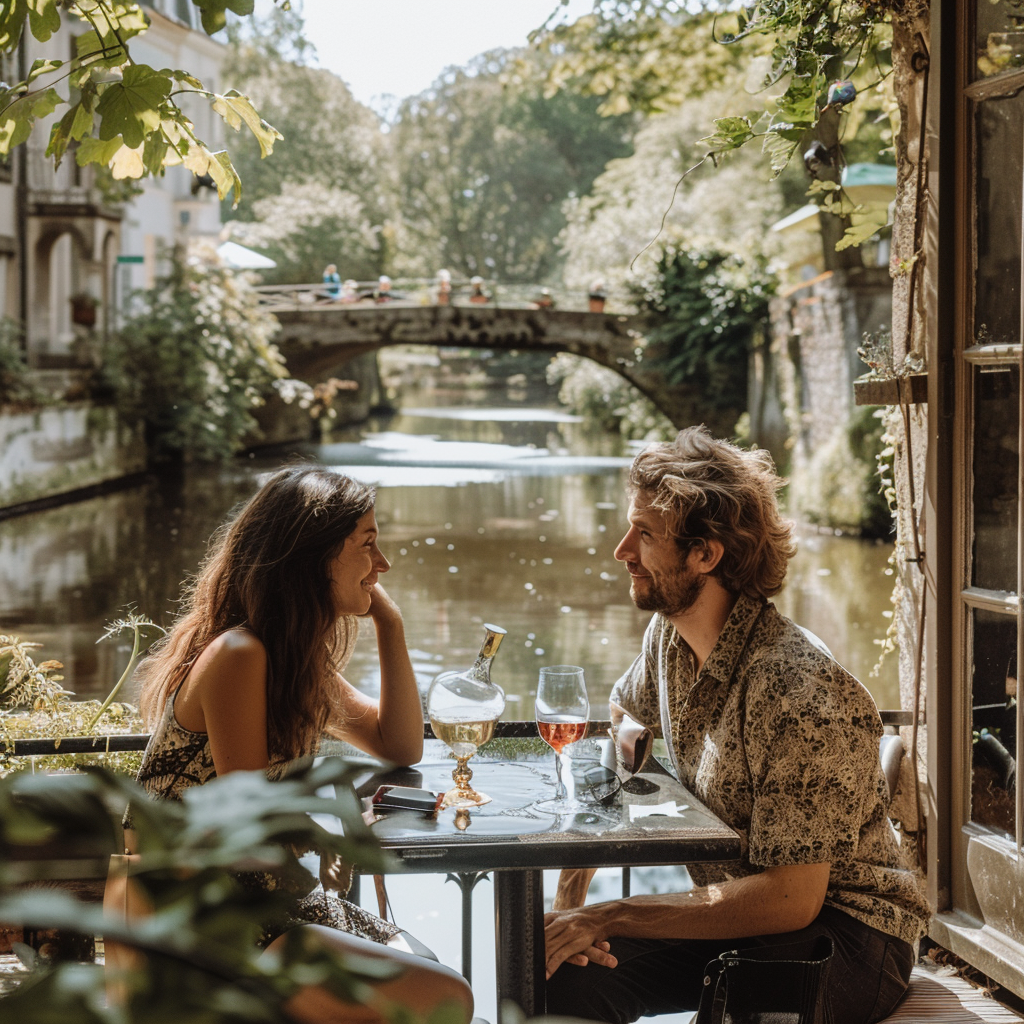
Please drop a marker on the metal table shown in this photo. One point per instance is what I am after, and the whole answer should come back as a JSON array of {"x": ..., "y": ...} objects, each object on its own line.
[{"x": 517, "y": 842}]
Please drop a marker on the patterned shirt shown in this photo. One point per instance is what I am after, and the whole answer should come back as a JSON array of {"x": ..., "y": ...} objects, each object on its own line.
[{"x": 781, "y": 743}]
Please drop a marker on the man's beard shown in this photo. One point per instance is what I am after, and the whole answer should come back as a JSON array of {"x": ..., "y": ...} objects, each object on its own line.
[{"x": 669, "y": 597}]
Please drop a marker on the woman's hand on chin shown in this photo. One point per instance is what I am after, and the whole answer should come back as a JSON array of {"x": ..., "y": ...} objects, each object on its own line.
[{"x": 383, "y": 609}]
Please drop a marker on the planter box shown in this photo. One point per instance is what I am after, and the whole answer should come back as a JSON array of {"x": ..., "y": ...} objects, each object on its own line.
[{"x": 64, "y": 448}]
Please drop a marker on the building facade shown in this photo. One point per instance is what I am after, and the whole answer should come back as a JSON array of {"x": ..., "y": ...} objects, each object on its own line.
[{"x": 75, "y": 243}]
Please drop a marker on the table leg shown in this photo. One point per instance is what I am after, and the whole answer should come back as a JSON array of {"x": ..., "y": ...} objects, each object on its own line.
[{"x": 519, "y": 939}]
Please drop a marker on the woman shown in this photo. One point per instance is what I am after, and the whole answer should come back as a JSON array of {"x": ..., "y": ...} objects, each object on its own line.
[{"x": 249, "y": 679}]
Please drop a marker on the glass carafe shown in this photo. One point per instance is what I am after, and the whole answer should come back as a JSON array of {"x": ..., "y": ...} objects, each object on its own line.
[{"x": 463, "y": 707}]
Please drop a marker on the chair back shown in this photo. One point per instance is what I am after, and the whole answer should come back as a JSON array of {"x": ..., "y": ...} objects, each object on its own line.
[{"x": 890, "y": 752}]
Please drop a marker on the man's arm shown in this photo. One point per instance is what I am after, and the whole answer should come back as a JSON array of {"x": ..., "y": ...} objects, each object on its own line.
[{"x": 780, "y": 899}]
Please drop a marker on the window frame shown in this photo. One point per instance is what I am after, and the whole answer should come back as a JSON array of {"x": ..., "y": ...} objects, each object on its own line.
[{"x": 966, "y": 848}]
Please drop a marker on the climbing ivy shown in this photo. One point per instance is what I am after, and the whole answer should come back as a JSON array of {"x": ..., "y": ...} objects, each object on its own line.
[{"x": 816, "y": 69}]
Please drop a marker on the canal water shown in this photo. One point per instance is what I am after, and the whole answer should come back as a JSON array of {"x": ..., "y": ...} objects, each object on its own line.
[{"x": 493, "y": 507}]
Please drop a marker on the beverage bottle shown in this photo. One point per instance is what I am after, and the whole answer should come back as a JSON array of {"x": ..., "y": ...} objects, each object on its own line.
[{"x": 463, "y": 706}]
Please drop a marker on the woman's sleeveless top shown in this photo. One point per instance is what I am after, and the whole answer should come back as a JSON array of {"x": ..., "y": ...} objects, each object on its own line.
[{"x": 175, "y": 760}]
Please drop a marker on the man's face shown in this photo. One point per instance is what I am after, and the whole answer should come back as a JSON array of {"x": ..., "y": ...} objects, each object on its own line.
[{"x": 661, "y": 581}]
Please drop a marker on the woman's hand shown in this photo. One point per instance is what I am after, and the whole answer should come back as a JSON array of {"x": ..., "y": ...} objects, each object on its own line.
[
  {"x": 383, "y": 609},
  {"x": 392, "y": 727}
]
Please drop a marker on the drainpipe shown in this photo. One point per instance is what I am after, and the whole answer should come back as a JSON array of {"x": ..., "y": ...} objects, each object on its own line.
[{"x": 21, "y": 210}]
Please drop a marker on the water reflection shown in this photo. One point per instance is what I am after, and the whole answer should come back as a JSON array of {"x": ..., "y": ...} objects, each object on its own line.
[{"x": 507, "y": 515}]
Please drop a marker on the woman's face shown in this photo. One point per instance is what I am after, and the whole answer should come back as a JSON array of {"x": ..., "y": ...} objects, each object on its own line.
[{"x": 355, "y": 569}]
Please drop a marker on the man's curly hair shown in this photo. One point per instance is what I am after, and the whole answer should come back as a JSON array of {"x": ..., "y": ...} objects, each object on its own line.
[{"x": 710, "y": 489}]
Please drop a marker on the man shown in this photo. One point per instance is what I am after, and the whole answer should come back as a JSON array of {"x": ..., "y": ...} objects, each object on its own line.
[{"x": 766, "y": 730}]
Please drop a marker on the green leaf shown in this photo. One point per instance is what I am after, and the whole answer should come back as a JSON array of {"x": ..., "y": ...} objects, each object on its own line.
[
  {"x": 97, "y": 151},
  {"x": 43, "y": 67},
  {"x": 857, "y": 234},
  {"x": 730, "y": 133},
  {"x": 130, "y": 108},
  {"x": 182, "y": 77},
  {"x": 779, "y": 150},
  {"x": 43, "y": 18},
  {"x": 212, "y": 12},
  {"x": 99, "y": 53},
  {"x": 17, "y": 120},
  {"x": 127, "y": 163},
  {"x": 12, "y": 22},
  {"x": 236, "y": 109}
]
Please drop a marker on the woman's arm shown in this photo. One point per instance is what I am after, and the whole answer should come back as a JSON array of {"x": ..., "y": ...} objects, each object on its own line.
[
  {"x": 391, "y": 728},
  {"x": 225, "y": 696}
]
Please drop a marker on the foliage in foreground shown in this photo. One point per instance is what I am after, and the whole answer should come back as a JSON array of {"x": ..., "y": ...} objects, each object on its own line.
[
  {"x": 195, "y": 361},
  {"x": 117, "y": 113},
  {"x": 654, "y": 55},
  {"x": 202, "y": 962}
]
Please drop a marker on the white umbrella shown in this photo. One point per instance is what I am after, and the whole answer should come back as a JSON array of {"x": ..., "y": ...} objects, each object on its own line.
[{"x": 238, "y": 257}]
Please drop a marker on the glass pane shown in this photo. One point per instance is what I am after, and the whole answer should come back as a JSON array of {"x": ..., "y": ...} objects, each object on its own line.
[
  {"x": 996, "y": 442},
  {"x": 999, "y": 37},
  {"x": 1000, "y": 141},
  {"x": 994, "y": 721}
]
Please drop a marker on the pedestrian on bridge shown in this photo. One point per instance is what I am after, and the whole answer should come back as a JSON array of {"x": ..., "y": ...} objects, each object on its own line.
[{"x": 332, "y": 279}]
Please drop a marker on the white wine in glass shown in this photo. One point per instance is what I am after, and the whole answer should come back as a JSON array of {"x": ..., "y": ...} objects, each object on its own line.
[{"x": 563, "y": 714}]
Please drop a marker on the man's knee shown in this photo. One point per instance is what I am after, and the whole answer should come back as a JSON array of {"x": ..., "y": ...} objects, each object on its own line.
[{"x": 589, "y": 992}]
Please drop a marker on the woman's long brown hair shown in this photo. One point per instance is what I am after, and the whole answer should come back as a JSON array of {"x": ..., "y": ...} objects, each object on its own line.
[{"x": 268, "y": 570}]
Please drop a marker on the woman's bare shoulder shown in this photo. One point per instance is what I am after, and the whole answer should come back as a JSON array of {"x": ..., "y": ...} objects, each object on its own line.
[{"x": 234, "y": 658}]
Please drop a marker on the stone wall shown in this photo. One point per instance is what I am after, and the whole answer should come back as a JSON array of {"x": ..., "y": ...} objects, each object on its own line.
[
  {"x": 817, "y": 328},
  {"x": 51, "y": 451}
]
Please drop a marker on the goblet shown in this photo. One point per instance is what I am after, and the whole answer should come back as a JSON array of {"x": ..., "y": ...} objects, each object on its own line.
[
  {"x": 563, "y": 713},
  {"x": 463, "y": 708}
]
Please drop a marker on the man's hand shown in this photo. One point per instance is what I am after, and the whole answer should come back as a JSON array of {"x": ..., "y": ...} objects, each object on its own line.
[{"x": 576, "y": 937}]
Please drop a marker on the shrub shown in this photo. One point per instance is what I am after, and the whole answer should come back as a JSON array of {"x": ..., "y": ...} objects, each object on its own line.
[
  {"x": 195, "y": 361},
  {"x": 703, "y": 309}
]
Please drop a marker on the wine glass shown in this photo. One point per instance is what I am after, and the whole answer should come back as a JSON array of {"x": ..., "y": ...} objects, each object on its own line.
[{"x": 563, "y": 713}]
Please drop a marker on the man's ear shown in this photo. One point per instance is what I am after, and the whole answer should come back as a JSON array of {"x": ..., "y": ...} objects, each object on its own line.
[{"x": 706, "y": 556}]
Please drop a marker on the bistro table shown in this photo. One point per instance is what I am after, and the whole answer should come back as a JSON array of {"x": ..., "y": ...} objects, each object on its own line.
[{"x": 510, "y": 837}]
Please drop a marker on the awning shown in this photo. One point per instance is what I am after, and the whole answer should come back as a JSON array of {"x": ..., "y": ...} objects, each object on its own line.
[{"x": 238, "y": 257}]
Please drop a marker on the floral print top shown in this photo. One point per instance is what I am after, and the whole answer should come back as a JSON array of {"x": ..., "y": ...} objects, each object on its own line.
[
  {"x": 781, "y": 742},
  {"x": 176, "y": 759}
]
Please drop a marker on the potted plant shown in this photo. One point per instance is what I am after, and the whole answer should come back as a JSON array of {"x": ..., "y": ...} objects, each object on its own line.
[{"x": 83, "y": 309}]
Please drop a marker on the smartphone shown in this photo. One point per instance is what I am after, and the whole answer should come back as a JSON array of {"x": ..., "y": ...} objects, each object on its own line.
[{"x": 406, "y": 798}]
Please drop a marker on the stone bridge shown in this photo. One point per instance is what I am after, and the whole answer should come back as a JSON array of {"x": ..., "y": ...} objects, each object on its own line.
[{"x": 317, "y": 340}]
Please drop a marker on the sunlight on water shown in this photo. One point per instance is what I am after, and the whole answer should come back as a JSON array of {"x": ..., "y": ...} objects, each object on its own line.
[{"x": 507, "y": 514}]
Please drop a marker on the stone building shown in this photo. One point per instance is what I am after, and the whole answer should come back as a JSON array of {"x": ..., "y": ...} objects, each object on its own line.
[{"x": 72, "y": 248}]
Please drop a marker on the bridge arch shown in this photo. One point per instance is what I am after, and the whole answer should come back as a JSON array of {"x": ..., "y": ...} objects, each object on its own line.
[{"x": 316, "y": 341}]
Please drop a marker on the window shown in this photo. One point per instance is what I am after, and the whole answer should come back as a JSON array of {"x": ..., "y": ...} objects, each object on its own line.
[{"x": 986, "y": 829}]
